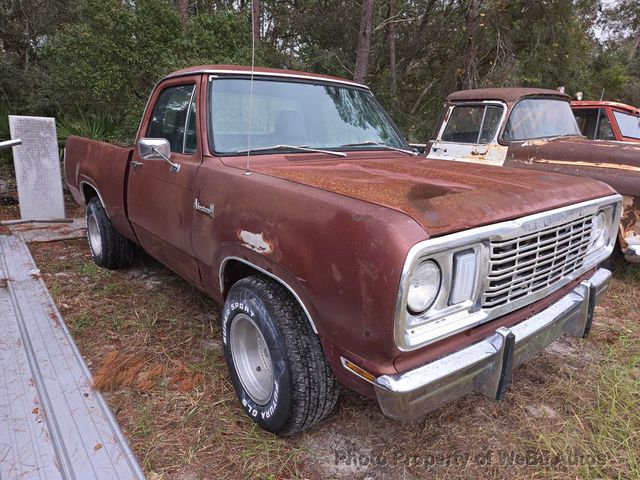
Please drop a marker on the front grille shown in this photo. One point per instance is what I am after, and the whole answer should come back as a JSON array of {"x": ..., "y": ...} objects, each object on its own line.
[{"x": 523, "y": 265}]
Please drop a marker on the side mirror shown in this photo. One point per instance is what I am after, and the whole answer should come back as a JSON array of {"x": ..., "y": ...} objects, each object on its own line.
[{"x": 157, "y": 149}]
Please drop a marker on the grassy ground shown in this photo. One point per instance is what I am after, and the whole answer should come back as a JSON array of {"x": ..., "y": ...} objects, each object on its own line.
[{"x": 153, "y": 344}]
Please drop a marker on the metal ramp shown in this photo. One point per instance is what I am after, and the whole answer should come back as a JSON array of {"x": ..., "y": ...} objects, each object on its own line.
[{"x": 53, "y": 425}]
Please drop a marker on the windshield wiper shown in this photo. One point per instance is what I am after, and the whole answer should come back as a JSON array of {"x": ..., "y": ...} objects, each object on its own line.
[
  {"x": 413, "y": 153},
  {"x": 302, "y": 148}
]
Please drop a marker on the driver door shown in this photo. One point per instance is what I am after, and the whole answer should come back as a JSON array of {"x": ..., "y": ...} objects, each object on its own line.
[
  {"x": 160, "y": 199},
  {"x": 469, "y": 134}
]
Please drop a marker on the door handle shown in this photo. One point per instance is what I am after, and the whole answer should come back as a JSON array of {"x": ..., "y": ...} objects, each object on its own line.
[
  {"x": 443, "y": 149},
  {"x": 201, "y": 208},
  {"x": 135, "y": 163}
]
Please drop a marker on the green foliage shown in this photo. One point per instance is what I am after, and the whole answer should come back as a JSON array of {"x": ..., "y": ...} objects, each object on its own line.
[
  {"x": 107, "y": 62},
  {"x": 5, "y": 155},
  {"x": 100, "y": 126},
  {"x": 211, "y": 39},
  {"x": 4, "y": 121}
]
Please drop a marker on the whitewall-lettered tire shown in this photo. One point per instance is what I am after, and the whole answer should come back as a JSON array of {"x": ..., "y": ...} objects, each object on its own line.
[{"x": 276, "y": 362}]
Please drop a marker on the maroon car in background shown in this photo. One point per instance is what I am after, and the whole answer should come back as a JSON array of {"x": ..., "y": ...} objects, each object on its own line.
[{"x": 603, "y": 120}]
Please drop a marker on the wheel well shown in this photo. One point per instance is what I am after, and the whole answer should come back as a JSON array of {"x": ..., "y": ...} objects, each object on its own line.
[
  {"x": 234, "y": 270},
  {"x": 88, "y": 192}
]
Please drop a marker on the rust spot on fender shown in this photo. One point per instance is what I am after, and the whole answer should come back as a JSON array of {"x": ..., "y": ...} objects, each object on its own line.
[{"x": 255, "y": 242}]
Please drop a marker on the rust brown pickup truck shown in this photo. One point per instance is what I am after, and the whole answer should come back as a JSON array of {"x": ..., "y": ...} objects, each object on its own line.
[
  {"x": 535, "y": 129},
  {"x": 342, "y": 257}
]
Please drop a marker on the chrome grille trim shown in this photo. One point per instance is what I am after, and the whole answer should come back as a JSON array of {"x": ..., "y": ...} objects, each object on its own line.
[
  {"x": 416, "y": 331},
  {"x": 527, "y": 263}
]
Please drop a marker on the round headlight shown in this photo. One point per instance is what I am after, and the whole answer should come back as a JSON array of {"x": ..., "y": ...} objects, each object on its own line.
[
  {"x": 423, "y": 287},
  {"x": 599, "y": 234}
]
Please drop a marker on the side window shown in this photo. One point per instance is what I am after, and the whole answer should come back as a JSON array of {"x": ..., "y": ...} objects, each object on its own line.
[
  {"x": 605, "y": 132},
  {"x": 170, "y": 115},
  {"x": 629, "y": 124},
  {"x": 472, "y": 124},
  {"x": 190, "y": 137},
  {"x": 490, "y": 123},
  {"x": 587, "y": 119}
]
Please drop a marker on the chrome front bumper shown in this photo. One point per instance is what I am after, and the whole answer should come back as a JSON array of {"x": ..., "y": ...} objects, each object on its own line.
[{"x": 486, "y": 366}]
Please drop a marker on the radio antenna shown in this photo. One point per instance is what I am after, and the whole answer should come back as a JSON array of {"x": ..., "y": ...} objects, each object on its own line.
[{"x": 247, "y": 170}]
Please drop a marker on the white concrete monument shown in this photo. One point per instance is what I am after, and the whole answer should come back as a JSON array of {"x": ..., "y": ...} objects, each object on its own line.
[{"x": 37, "y": 167}]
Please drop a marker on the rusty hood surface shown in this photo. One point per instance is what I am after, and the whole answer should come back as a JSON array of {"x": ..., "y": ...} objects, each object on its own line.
[{"x": 442, "y": 196}]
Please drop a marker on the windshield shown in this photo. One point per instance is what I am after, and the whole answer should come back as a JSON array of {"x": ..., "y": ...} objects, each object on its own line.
[
  {"x": 540, "y": 118},
  {"x": 297, "y": 114}
]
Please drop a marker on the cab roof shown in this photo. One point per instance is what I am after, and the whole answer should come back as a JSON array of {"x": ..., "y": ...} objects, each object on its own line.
[
  {"x": 605, "y": 103},
  {"x": 507, "y": 95},
  {"x": 259, "y": 71}
]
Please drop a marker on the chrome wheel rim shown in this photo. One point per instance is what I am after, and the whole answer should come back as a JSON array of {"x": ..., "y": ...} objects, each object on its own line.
[
  {"x": 251, "y": 358},
  {"x": 94, "y": 236}
]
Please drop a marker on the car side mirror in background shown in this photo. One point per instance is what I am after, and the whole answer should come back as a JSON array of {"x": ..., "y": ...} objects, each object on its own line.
[{"x": 157, "y": 149}]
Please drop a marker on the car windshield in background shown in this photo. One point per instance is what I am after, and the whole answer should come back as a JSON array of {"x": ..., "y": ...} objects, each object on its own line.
[
  {"x": 472, "y": 124},
  {"x": 629, "y": 124},
  {"x": 297, "y": 114},
  {"x": 540, "y": 118}
]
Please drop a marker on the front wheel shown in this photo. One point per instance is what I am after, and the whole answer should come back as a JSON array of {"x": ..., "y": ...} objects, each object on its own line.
[{"x": 276, "y": 362}]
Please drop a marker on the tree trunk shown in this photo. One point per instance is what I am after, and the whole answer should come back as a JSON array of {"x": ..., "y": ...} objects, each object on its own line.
[
  {"x": 418, "y": 102},
  {"x": 364, "y": 42},
  {"x": 391, "y": 31},
  {"x": 417, "y": 42},
  {"x": 634, "y": 46},
  {"x": 184, "y": 11},
  {"x": 472, "y": 21},
  {"x": 256, "y": 12}
]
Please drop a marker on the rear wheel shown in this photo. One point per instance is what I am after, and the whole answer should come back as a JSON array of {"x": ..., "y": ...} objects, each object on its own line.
[
  {"x": 108, "y": 248},
  {"x": 276, "y": 362}
]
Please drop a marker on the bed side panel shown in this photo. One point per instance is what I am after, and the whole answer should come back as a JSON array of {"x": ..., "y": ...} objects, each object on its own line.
[{"x": 104, "y": 167}]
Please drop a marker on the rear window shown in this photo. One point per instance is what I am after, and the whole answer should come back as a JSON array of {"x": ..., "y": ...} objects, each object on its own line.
[
  {"x": 629, "y": 124},
  {"x": 472, "y": 124}
]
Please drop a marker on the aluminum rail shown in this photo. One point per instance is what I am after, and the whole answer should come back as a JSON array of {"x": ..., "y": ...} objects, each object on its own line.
[
  {"x": 53, "y": 424},
  {"x": 10, "y": 143}
]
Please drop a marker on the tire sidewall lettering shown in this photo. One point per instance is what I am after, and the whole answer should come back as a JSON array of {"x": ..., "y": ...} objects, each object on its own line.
[{"x": 274, "y": 414}]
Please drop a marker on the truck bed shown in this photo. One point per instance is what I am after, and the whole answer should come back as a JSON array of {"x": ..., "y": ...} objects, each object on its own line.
[{"x": 104, "y": 170}]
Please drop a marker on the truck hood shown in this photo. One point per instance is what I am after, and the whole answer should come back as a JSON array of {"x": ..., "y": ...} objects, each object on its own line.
[
  {"x": 442, "y": 196},
  {"x": 615, "y": 163}
]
